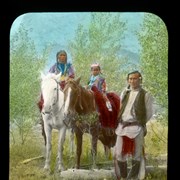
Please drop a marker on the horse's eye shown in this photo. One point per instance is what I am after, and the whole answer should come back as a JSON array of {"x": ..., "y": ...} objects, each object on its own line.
[{"x": 55, "y": 89}]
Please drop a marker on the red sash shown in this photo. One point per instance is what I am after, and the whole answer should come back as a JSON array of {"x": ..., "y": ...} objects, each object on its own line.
[{"x": 128, "y": 146}]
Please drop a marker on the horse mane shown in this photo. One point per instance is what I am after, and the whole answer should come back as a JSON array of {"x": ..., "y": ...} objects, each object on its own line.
[
  {"x": 87, "y": 100},
  {"x": 50, "y": 89},
  {"x": 85, "y": 103},
  {"x": 50, "y": 76}
]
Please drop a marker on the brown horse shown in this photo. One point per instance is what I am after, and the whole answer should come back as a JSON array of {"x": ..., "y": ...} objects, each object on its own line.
[{"x": 90, "y": 115}]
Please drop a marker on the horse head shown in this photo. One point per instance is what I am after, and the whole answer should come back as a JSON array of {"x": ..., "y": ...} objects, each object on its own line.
[
  {"x": 71, "y": 95},
  {"x": 51, "y": 92}
]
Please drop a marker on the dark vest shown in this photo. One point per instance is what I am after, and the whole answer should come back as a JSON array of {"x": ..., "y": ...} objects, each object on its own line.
[{"x": 139, "y": 106}]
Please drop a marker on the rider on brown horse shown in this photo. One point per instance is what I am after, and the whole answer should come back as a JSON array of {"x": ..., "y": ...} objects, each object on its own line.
[{"x": 96, "y": 79}]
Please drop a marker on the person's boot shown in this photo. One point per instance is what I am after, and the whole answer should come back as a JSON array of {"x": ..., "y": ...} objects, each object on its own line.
[
  {"x": 134, "y": 170},
  {"x": 123, "y": 169}
]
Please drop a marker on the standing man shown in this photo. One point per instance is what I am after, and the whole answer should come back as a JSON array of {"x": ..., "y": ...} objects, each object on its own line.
[{"x": 136, "y": 109}]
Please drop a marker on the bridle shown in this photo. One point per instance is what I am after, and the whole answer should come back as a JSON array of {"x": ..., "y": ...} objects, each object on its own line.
[{"x": 58, "y": 88}]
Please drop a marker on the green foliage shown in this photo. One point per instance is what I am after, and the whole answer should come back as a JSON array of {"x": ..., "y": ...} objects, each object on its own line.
[
  {"x": 154, "y": 58},
  {"x": 156, "y": 139},
  {"x": 100, "y": 42},
  {"x": 25, "y": 66}
]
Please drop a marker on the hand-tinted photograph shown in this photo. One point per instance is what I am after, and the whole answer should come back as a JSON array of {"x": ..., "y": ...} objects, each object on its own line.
[{"x": 88, "y": 96}]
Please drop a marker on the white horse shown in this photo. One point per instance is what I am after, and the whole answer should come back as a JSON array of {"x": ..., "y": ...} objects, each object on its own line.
[{"x": 53, "y": 115}]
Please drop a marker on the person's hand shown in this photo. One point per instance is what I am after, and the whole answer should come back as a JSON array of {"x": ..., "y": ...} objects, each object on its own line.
[{"x": 66, "y": 78}]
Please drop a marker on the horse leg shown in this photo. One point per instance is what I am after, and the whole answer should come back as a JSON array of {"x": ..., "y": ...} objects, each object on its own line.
[
  {"x": 62, "y": 133},
  {"x": 48, "y": 132},
  {"x": 107, "y": 151},
  {"x": 40, "y": 105},
  {"x": 79, "y": 137},
  {"x": 104, "y": 140},
  {"x": 72, "y": 148},
  {"x": 72, "y": 142},
  {"x": 94, "y": 133},
  {"x": 94, "y": 151},
  {"x": 43, "y": 131}
]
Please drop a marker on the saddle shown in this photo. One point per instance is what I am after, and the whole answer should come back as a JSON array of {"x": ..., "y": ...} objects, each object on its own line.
[{"x": 108, "y": 119}]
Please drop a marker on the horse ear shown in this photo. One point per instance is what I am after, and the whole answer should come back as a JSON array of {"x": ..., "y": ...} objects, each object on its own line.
[{"x": 78, "y": 80}]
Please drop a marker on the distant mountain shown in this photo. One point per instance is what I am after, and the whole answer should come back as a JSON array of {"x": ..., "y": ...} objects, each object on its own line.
[
  {"x": 59, "y": 28},
  {"x": 132, "y": 57},
  {"x": 50, "y": 28}
]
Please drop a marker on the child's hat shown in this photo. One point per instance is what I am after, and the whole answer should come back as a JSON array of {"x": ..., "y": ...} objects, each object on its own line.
[{"x": 95, "y": 65}]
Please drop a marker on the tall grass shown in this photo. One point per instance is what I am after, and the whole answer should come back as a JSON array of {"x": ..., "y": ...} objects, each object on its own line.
[
  {"x": 156, "y": 139},
  {"x": 155, "y": 144}
]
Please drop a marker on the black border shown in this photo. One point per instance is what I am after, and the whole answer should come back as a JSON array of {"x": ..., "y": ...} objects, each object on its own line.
[{"x": 167, "y": 11}]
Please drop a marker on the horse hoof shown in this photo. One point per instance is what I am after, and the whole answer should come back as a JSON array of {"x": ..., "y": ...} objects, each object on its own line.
[
  {"x": 46, "y": 168},
  {"x": 77, "y": 167},
  {"x": 94, "y": 167},
  {"x": 46, "y": 171},
  {"x": 61, "y": 168}
]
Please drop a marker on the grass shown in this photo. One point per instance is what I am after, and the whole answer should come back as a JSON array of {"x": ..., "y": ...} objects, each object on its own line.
[
  {"x": 156, "y": 139},
  {"x": 155, "y": 144}
]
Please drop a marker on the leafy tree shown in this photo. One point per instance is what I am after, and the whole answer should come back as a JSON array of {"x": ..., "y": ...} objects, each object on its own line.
[
  {"x": 100, "y": 42},
  {"x": 154, "y": 59},
  {"x": 25, "y": 66}
]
